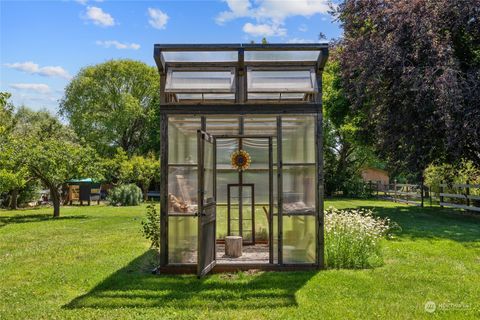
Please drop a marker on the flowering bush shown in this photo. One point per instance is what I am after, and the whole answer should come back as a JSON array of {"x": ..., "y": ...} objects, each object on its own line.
[{"x": 352, "y": 238}]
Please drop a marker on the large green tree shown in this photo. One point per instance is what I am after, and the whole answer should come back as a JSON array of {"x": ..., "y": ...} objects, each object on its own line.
[
  {"x": 344, "y": 151},
  {"x": 412, "y": 72},
  {"x": 114, "y": 104}
]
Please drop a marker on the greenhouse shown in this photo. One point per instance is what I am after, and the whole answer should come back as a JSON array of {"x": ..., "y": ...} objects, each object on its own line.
[{"x": 241, "y": 157}]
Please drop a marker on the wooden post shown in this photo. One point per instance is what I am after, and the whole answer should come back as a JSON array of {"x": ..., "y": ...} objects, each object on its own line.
[
  {"x": 441, "y": 191},
  {"x": 280, "y": 189},
  {"x": 395, "y": 190},
  {"x": 467, "y": 192},
  {"x": 163, "y": 190},
  {"x": 421, "y": 190}
]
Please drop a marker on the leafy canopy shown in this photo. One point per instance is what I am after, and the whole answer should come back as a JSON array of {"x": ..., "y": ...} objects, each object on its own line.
[{"x": 114, "y": 104}]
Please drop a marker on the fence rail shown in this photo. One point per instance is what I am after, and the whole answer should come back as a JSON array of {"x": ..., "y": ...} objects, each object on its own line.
[
  {"x": 461, "y": 196},
  {"x": 461, "y": 192}
]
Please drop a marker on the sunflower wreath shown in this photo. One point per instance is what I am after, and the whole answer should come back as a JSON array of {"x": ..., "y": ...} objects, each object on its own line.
[{"x": 240, "y": 160}]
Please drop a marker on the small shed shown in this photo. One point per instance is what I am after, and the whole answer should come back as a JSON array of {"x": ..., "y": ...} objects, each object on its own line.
[
  {"x": 83, "y": 190},
  {"x": 376, "y": 176},
  {"x": 241, "y": 156}
]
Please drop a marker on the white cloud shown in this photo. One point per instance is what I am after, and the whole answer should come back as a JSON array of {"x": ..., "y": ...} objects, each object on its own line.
[
  {"x": 300, "y": 40},
  {"x": 33, "y": 68},
  {"x": 84, "y": 2},
  {"x": 37, "y": 87},
  {"x": 303, "y": 28},
  {"x": 158, "y": 18},
  {"x": 271, "y": 12},
  {"x": 118, "y": 45},
  {"x": 99, "y": 17},
  {"x": 264, "y": 30}
]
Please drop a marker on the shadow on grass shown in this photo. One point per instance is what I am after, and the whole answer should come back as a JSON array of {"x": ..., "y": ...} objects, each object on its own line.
[
  {"x": 134, "y": 286},
  {"x": 38, "y": 217},
  {"x": 430, "y": 222}
]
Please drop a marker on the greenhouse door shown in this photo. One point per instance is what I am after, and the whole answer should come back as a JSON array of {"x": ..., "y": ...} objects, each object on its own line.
[{"x": 206, "y": 202}]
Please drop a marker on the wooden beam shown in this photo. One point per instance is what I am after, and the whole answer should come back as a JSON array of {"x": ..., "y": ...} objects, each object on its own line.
[
  {"x": 163, "y": 190},
  {"x": 286, "y": 108}
]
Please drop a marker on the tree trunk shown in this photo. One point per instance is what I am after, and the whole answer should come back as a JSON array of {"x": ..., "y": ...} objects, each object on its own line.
[
  {"x": 145, "y": 193},
  {"x": 56, "y": 201},
  {"x": 14, "y": 199}
]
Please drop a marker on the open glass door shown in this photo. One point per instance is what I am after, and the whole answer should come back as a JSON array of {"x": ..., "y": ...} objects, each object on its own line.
[{"x": 207, "y": 196}]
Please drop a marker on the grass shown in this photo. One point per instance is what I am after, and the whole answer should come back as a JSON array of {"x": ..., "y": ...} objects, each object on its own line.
[{"x": 94, "y": 263}]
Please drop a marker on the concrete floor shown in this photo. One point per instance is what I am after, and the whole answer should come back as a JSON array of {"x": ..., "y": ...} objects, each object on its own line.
[{"x": 251, "y": 254}]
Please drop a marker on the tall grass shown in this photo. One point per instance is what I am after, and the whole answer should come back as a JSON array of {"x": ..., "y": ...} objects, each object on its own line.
[{"x": 352, "y": 238}]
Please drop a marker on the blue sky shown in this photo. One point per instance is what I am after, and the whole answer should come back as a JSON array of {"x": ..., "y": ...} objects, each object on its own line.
[{"x": 43, "y": 44}]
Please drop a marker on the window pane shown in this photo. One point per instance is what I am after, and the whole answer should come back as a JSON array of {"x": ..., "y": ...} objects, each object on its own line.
[
  {"x": 278, "y": 81},
  {"x": 182, "y": 189},
  {"x": 299, "y": 189},
  {"x": 201, "y": 56},
  {"x": 208, "y": 180},
  {"x": 206, "y": 96},
  {"x": 199, "y": 80},
  {"x": 182, "y": 239},
  {"x": 281, "y": 55},
  {"x": 182, "y": 139},
  {"x": 298, "y": 142},
  {"x": 299, "y": 239}
]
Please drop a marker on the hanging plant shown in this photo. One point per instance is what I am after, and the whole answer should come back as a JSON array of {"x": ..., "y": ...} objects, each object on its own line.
[{"x": 240, "y": 160}]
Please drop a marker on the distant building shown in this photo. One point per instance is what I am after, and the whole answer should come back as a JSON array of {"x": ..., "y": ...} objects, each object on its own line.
[{"x": 376, "y": 176}]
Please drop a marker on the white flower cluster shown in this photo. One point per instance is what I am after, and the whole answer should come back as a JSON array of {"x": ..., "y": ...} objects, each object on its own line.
[{"x": 352, "y": 238}]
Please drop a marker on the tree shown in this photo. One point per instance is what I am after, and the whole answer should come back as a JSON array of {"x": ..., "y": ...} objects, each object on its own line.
[
  {"x": 344, "y": 152},
  {"x": 113, "y": 105},
  {"x": 411, "y": 71},
  {"x": 55, "y": 161},
  {"x": 140, "y": 170}
]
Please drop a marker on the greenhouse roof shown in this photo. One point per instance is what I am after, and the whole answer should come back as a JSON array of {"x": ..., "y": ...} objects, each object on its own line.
[{"x": 240, "y": 73}]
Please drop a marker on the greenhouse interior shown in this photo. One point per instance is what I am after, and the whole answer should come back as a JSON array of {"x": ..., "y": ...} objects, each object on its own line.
[{"x": 241, "y": 157}]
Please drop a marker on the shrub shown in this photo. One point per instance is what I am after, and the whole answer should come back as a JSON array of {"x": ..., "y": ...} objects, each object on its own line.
[
  {"x": 151, "y": 227},
  {"x": 352, "y": 238},
  {"x": 125, "y": 195}
]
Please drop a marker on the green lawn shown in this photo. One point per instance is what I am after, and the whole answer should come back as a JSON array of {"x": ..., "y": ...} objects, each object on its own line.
[{"x": 94, "y": 263}]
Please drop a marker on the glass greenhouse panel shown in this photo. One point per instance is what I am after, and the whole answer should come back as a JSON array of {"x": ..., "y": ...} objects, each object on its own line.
[
  {"x": 298, "y": 143},
  {"x": 182, "y": 239},
  {"x": 299, "y": 190},
  {"x": 205, "y": 96},
  {"x": 200, "y": 81},
  {"x": 182, "y": 189},
  {"x": 281, "y": 55},
  {"x": 182, "y": 136},
  {"x": 300, "y": 81},
  {"x": 201, "y": 56},
  {"x": 299, "y": 244},
  {"x": 260, "y": 125},
  {"x": 223, "y": 125}
]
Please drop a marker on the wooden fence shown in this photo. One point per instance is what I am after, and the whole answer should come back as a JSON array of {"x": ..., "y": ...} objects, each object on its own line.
[
  {"x": 460, "y": 196},
  {"x": 413, "y": 194}
]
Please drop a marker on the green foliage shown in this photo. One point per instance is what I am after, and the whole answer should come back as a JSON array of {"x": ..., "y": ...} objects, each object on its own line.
[
  {"x": 460, "y": 173},
  {"x": 113, "y": 105},
  {"x": 125, "y": 195},
  {"x": 140, "y": 170},
  {"x": 344, "y": 151},
  {"x": 6, "y": 113},
  {"x": 352, "y": 238},
  {"x": 151, "y": 227},
  {"x": 112, "y": 166}
]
